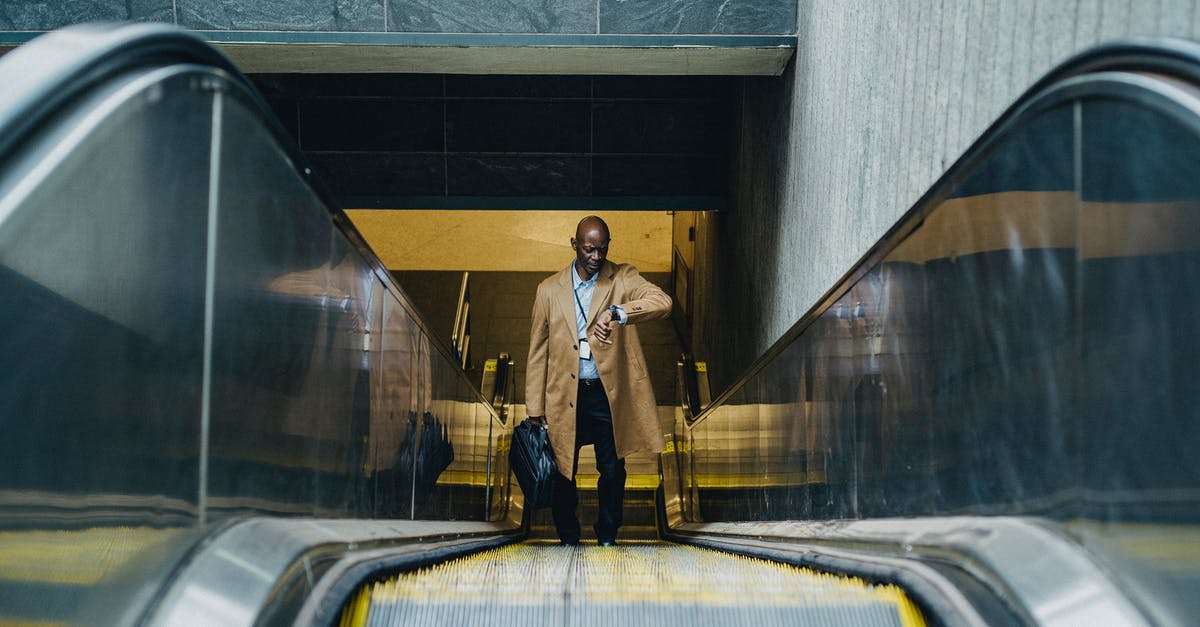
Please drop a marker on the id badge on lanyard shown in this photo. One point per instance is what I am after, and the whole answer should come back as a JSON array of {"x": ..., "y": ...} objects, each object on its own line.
[{"x": 585, "y": 351}]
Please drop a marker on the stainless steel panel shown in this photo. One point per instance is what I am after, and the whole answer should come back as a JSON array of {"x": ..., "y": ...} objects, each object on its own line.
[
  {"x": 1057, "y": 583},
  {"x": 263, "y": 570}
]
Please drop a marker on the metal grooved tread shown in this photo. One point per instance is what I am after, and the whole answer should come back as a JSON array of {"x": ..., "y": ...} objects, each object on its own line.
[{"x": 630, "y": 584}]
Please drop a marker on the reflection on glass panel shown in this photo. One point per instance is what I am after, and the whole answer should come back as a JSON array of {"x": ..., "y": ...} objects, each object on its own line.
[
  {"x": 725, "y": 492},
  {"x": 289, "y": 319},
  {"x": 830, "y": 353},
  {"x": 101, "y": 344},
  {"x": 326, "y": 398},
  {"x": 1028, "y": 349},
  {"x": 1141, "y": 266},
  {"x": 402, "y": 391},
  {"x": 459, "y": 490},
  {"x": 998, "y": 264},
  {"x": 1140, "y": 250},
  {"x": 898, "y": 344},
  {"x": 940, "y": 381},
  {"x": 500, "y": 479}
]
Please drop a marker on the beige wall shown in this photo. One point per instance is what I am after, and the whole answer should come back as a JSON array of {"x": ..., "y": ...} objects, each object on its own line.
[{"x": 507, "y": 241}]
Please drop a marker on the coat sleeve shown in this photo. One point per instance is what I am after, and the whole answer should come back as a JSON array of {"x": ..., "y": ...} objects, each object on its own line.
[
  {"x": 539, "y": 353},
  {"x": 643, "y": 299}
]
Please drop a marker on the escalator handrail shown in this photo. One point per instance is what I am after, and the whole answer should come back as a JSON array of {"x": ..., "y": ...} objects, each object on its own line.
[
  {"x": 40, "y": 78},
  {"x": 1164, "y": 56},
  {"x": 47, "y": 74}
]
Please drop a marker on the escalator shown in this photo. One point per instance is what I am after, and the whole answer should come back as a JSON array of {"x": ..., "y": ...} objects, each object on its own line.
[
  {"x": 637, "y": 583},
  {"x": 219, "y": 407}
]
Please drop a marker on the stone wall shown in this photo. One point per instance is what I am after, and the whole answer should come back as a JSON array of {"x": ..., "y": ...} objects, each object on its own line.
[
  {"x": 881, "y": 98},
  {"x": 421, "y": 16}
]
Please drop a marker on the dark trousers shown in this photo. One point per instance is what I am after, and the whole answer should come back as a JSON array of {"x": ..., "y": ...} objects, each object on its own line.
[{"x": 593, "y": 425}]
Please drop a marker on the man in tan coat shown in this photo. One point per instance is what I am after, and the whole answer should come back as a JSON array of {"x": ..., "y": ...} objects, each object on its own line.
[{"x": 586, "y": 377}]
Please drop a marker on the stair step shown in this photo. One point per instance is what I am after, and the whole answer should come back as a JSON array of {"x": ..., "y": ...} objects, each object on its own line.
[{"x": 639, "y": 517}]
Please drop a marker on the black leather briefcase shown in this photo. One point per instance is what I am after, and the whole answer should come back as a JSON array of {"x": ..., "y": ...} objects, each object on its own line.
[{"x": 532, "y": 461}]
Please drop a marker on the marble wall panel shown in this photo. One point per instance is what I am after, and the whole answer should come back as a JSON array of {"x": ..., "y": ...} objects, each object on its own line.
[
  {"x": 349, "y": 85},
  {"x": 42, "y": 15},
  {"x": 383, "y": 174},
  {"x": 282, "y": 15},
  {"x": 746, "y": 17},
  {"x": 371, "y": 125},
  {"x": 378, "y": 139},
  {"x": 287, "y": 111},
  {"x": 517, "y": 126},
  {"x": 518, "y": 176},
  {"x": 671, "y": 126},
  {"x": 667, "y": 175},
  {"x": 515, "y": 86},
  {"x": 662, "y": 87},
  {"x": 585, "y": 17},
  {"x": 492, "y": 16}
]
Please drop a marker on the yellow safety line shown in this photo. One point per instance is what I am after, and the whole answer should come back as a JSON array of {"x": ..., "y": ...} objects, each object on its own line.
[{"x": 81, "y": 557}]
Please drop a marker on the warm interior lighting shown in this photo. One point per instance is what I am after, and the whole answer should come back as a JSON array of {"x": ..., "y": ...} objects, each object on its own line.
[{"x": 510, "y": 241}]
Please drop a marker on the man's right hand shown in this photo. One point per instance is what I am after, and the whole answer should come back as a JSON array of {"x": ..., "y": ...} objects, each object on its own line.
[{"x": 538, "y": 420}]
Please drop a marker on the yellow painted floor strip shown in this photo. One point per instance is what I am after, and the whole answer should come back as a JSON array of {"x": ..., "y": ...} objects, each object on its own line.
[{"x": 82, "y": 557}]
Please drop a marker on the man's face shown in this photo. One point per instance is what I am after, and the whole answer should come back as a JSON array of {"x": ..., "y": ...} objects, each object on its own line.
[{"x": 590, "y": 250}]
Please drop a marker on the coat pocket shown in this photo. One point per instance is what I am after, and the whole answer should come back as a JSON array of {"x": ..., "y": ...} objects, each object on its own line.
[{"x": 639, "y": 368}]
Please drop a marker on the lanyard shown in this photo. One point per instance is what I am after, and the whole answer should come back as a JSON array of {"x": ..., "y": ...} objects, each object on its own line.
[{"x": 582, "y": 311}]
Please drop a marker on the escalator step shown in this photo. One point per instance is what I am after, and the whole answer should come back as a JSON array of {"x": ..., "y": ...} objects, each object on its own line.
[{"x": 640, "y": 584}]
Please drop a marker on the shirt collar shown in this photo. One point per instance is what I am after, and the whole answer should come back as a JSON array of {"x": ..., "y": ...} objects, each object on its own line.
[{"x": 576, "y": 281}]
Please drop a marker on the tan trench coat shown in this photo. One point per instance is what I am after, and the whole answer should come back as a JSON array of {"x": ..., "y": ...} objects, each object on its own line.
[{"x": 551, "y": 376}]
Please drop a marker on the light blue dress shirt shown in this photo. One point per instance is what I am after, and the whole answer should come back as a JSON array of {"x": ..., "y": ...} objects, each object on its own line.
[{"x": 583, "y": 290}]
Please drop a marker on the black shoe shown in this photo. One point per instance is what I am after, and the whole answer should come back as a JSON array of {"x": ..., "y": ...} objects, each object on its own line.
[
  {"x": 569, "y": 542},
  {"x": 606, "y": 542}
]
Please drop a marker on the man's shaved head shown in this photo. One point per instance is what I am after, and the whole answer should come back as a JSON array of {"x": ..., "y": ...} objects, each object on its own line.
[
  {"x": 591, "y": 246},
  {"x": 590, "y": 223}
]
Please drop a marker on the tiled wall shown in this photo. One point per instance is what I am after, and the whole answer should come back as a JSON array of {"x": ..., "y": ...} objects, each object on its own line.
[
  {"x": 383, "y": 140},
  {"x": 746, "y": 17}
]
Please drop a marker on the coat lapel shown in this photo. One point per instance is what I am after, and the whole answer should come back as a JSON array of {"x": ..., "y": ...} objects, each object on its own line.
[
  {"x": 566, "y": 298},
  {"x": 600, "y": 295}
]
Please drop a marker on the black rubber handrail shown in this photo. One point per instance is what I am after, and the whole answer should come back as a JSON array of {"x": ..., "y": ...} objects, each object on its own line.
[
  {"x": 57, "y": 68},
  {"x": 1167, "y": 57}
]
